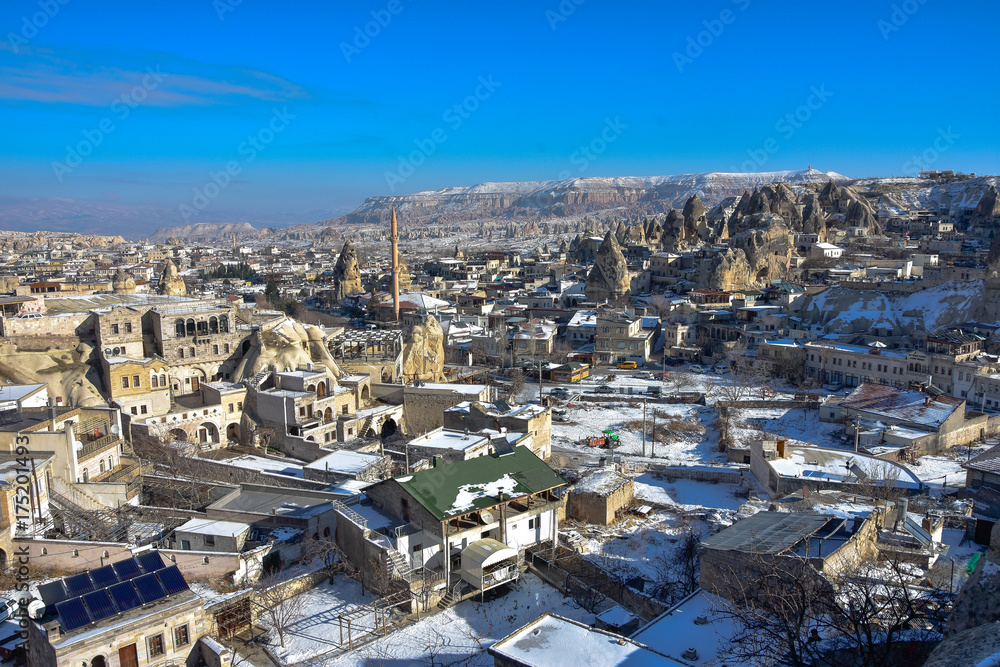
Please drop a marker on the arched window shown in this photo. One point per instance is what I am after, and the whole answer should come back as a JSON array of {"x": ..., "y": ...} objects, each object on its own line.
[
  {"x": 192, "y": 352},
  {"x": 179, "y": 328},
  {"x": 190, "y": 327},
  {"x": 163, "y": 380},
  {"x": 154, "y": 381},
  {"x": 213, "y": 324},
  {"x": 202, "y": 328},
  {"x": 224, "y": 324}
]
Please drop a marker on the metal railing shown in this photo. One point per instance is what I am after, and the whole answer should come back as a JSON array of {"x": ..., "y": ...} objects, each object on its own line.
[{"x": 91, "y": 446}]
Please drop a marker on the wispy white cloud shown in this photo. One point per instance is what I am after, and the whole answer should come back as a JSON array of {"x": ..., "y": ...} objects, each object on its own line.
[{"x": 61, "y": 77}]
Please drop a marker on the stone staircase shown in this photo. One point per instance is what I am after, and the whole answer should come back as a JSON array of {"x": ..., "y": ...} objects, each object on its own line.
[
  {"x": 454, "y": 596},
  {"x": 69, "y": 498},
  {"x": 367, "y": 424}
]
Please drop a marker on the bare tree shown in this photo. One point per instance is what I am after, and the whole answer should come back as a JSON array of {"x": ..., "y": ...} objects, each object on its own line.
[
  {"x": 280, "y": 603},
  {"x": 785, "y": 612},
  {"x": 517, "y": 383},
  {"x": 743, "y": 378}
]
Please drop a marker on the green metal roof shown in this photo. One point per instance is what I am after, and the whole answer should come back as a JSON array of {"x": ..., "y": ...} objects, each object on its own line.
[{"x": 464, "y": 486}]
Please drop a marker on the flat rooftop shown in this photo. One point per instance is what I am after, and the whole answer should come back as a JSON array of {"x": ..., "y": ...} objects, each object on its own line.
[
  {"x": 554, "y": 641},
  {"x": 834, "y": 465},
  {"x": 345, "y": 462},
  {"x": 694, "y": 622},
  {"x": 282, "y": 502},
  {"x": 779, "y": 532}
]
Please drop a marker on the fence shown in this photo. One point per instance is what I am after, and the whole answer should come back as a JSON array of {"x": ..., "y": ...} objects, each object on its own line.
[{"x": 589, "y": 584}]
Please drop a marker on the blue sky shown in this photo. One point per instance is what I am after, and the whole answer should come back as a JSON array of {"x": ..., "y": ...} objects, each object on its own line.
[{"x": 310, "y": 119}]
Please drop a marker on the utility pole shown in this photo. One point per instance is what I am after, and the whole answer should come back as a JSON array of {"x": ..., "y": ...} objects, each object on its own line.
[
  {"x": 857, "y": 432},
  {"x": 644, "y": 427},
  {"x": 652, "y": 437},
  {"x": 539, "y": 381}
]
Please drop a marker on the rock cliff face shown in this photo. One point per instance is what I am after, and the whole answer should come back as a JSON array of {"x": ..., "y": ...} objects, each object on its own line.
[
  {"x": 73, "y": 374},
  {"x": 171, "y": 282},
  {"x": 123, "y": 283},
  {"x": 755, "y": 257},
  {"x": 608, "y": 279},
  {"x": 346, "y": 274},
  {"x": 423, "y": 352},
  {"x": 987, "y": 213},
  {"x": 989, "y": 309}
]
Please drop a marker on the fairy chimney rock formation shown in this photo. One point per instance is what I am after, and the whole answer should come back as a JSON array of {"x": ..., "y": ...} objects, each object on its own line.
[
  {"x": 346, "y": 274},
  {"x": 171, "y": 283},
  {"x": 608, "y": 280},
  {"x": 423, "y": 352}
]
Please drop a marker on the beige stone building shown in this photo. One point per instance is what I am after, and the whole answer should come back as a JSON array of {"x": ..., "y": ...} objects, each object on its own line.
[
  {"x": 621, "y": 337},
  {"x": 137, "y": 611}
]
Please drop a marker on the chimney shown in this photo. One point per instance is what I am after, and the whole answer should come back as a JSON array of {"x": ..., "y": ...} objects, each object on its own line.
[
  {"x": 395, "y": 265},
  {"x": 52, "y": 413}
]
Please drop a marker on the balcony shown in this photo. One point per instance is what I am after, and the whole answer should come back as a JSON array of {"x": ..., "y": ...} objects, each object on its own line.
[
  {"x": 95, "y": 445},
  {"x": 125, "y": 472}
]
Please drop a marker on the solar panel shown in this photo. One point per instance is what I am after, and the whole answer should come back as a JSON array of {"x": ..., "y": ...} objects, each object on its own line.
[
  {"x": 79, "y": 584},
  {"x": 99, "y": 604},
  {"x": 150, "y": 561},
  {"x": 501, "y": 405},
  {"x": 149, "y": 587},
  {"x": 502, "y": 446},
  {"x": 72, "y": 614},
  {"x": 104, "y": 576},
  {"x": 127, "y": 569},
  {"x": 172, "y": 580},
  {"x": 53, "y": 592},
  {"x": 125, "y": 596}
]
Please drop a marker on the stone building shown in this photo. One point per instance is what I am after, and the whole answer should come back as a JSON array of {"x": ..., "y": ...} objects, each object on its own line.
[
  {"x": 309, "y": 403},
  {"x": 598, "y": 498},
  {"x": 533, "y": 420},
  {"x": 200, "y": 341},
  {"x": 621, "y": 337},
  {"x": 132, "y": 612}
]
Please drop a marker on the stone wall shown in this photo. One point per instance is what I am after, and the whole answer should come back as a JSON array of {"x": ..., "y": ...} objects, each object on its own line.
[
  {"x": 65, "y": 557},
  {"x": 600, "y": 508}
]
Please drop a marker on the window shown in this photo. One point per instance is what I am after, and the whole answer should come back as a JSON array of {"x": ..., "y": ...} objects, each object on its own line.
[
  {"x": 155, "y": 645},
  {"x": 210, "y": 540},
  {"x": 102, "y": 466},
  {"x": 135, "y": 411},
  {"x": 135, "y": 380},
  {"x": 128, "y": 327},
  {"x": 125, "y": 382},
  {"x": 114, "y": 329},
  {"x": 154, "y": 382},
  {"x": 230, "y": 407},
  {"x": 186, "y": 545},
  {"x": 192, "y": 352},
  {"x": 182, "y": 353},
  {"x": 142, "y": 409},
  {"x": 226, "y": 348},
  {"x": 181, "y": 637},
  {"x": 239, "y": 405},
  {"x": 163, "y": 380},
  {"x": 531, "y": 524},
  {"x": 215, "y": 349}
]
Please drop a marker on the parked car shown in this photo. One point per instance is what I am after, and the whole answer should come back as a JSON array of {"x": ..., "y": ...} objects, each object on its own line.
[
  {"x": 700, "y": 370},
  {"x": 605, "y": 389},
  {"x": 642, "y": 375},
  {"x": 560, "y": 392},
  {"x": 628, "y": 365},
  {"x": 833, "y": 387},
  {"x": 654, "y": 391},
  {"x": 7, "y": 607},
  {"x": 29, "y": 316}
]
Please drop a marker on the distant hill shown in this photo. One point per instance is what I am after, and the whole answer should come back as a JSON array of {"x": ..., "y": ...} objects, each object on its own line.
[
  {"x": 573, "y": 196},
  {"x": 206, "y": 232}
]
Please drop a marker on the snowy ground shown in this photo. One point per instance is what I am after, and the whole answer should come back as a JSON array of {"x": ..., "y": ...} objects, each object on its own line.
[
  {"x": 459, "y": 635},
  {"x": 689, "y": 493},
  {"x": 317, "y": 629},
  {"x": 797, "y": 425}
]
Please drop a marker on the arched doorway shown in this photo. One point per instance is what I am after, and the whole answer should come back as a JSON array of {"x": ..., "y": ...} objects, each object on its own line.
[
  {"x": 245, "y": 347},
  {"x": 233, "y": 432},
  {"x": 366, "y": 393},
  {"x": 179, "y": 434},
  {"x": 321, "y": 390},
  {"x": 327, "y": 415},
  {"x": 208, "y": 433},
  {"x": 98, "y": 661},
  {"x": 389, "y": 427}
]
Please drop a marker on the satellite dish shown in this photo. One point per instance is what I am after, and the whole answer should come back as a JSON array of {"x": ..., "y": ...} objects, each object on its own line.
[
  {"x": 77, "y": 445},
  {"x": 116, "y": 429},
  {"x": 35, "y": 609},
  {"x": 486, "y": 516}
]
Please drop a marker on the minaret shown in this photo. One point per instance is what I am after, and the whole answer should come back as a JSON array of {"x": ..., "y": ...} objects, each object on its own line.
[{"x": 395, "y": 265}]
